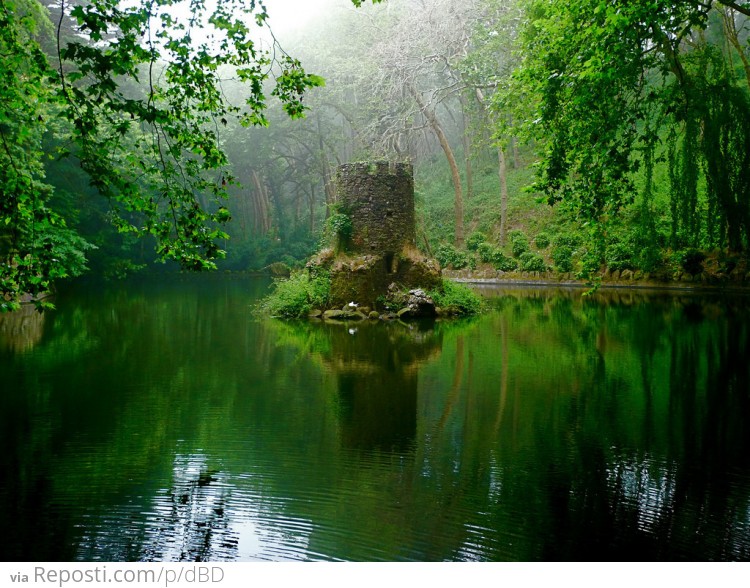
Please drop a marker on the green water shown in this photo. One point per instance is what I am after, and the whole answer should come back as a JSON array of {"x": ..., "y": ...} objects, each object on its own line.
[{"x": 164, "y": 422}]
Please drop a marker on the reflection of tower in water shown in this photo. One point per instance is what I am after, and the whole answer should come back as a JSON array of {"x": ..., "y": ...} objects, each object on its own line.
[{"x": 377, "y": 368}]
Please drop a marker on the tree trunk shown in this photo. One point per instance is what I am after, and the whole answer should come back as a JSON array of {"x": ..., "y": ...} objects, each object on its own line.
[
  {"x": 312, "y": 209},
  {"x": 467, "y": 149},
  {"x": 503, "y": 176},
  {"x": 730, "y": 30},
  {"x": 455, "y": 175},
  {"x": 262, "y": 221}
]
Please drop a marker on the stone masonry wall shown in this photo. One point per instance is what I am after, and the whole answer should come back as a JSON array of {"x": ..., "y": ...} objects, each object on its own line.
[{"x": 379, "y": 199}]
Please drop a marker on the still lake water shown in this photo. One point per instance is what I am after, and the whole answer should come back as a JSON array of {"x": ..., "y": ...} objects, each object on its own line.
[{"x": 165, "y": 422}]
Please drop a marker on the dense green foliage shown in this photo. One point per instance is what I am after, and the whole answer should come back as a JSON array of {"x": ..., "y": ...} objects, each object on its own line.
[
  {"x": 631, "y": 120},
  {"x": 617, "y": 91},
  {"x": 131, "y": 95},
  {"x": 297, "y": 296},
  {"x": 456, "y": 298}
]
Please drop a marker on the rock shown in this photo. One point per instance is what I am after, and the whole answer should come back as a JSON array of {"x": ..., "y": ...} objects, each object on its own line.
[
  {"x": 374, "y": 315},
  {"x": 418, "y": 305},
  {"x": 638, "y": 275},
  {"x": 626, "y": 275},
  {"x": 343, "y": 315},
  {"x": 316, "y": 313},
  {"x": 404, "y": 313}
]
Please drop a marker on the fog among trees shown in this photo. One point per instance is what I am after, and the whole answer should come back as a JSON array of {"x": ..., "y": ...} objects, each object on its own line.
[{"x": 193, "y": 135}]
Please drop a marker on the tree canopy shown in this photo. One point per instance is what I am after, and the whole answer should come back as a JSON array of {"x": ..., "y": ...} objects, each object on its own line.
[
  {"x": 133, "y": 93},
  {"x": 605, "y": 88},
  {"x": 188, "y": 128}
]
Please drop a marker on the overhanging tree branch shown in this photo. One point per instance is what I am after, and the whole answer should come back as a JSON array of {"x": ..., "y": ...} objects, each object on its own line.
[{"x": 741, "y": 8}]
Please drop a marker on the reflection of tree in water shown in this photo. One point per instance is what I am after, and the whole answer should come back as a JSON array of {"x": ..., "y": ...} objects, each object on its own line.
[
  {"x": 191, "y": 521},
  {"x": 649, "y": 461},
  {"x": 187, "y": 522},
  {"x": 551, "y": 428},
  {"x": 21, "y": 330}
]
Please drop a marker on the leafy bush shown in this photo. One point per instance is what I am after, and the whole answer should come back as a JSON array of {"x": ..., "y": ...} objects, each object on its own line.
[
  {"x": 458, "y": 298},
  {"x": 486, "y": 252},
  {"x": 542, "y": 241},
  {"x": 386, "y": 304},
  {"x": 619, "y": 256},
  {"x": 298, "y": 295},
  {"x": 519, "y": 243},
  {"x": 649, "y": 257},
  {"x": 338, "y": 228},
  {"x": 690, "y": 260},
  {"x": 489, "y": 254},
  {"x": 562, "y": 256},
  {"x": 532, "y": 262},
  {"x": 505, "y": 263},
  {"x": 591, "y": 262},
  {"x": 474, "y": 240},
  {"x": 449, "y": 256},
  {"x": 567, "y": 239}
]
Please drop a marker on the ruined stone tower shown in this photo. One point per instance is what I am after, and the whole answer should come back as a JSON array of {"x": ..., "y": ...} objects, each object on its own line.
[{"x": 378, "y": 198}]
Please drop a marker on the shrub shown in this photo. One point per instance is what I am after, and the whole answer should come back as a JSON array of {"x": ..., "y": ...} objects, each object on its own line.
[
  {"x": 474, "y": 240},
  {"x": 505, "y": 263},
  {"x": 542, "y": 241},
  {"x": 532, "y": 262},
  {"x": 298, "y": 295},
  {"x": 493, "y": 255},
  {"x": 649, "y": 257},
  {"x": 519, "y": 243},
  {"x": 591, "y": 262},
  {"x": 690, "y": 260},
  {"x": 567, "y": 239},
  {"x": 449, "y": 256},
  {"x": 386, "y": 304},
  {"x": 457, "y": 298},
  {"x": 562, "y": 256},
  {"x": 619, "y": 256},
  {"x": 486, "y": 252},
  {"x": 338, "y": 228}
]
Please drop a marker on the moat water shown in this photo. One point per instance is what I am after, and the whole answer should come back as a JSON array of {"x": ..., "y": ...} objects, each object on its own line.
[{"x": 164, "y": 422}]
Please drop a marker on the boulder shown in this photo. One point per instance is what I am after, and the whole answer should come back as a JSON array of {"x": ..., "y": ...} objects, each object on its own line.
[
  {"x": 418, "y": 305},
  {"x": 343, "y": 315}
]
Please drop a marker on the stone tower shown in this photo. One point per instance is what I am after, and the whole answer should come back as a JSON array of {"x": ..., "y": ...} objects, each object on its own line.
[
  {"x": 379, "y": 197},
  {"x": 381, "y": 251}
]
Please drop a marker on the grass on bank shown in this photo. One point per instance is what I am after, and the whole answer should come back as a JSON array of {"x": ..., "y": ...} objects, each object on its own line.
[
  {"x": 302, "y": 292},
  {"x": 297, "y": 295}
]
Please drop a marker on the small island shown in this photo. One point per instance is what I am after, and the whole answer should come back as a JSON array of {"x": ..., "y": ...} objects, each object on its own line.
[{"x": 371, "y": 268}]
